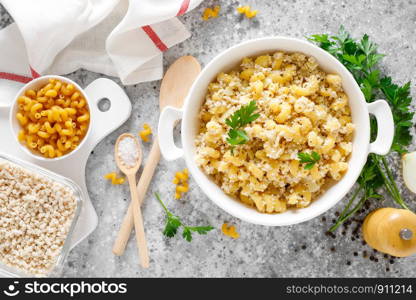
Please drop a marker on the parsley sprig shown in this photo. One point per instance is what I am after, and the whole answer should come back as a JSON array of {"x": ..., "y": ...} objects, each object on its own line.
[
  {"x": 309, "y": 158},
  {"x": 174, "y": 222},
  {"x": 240, "y": 118},
  {"x": 360, "y": 57}
]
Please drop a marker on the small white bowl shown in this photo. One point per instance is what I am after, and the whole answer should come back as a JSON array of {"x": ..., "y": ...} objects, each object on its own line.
[
  {"x": 35, "y": 84},
  {"x": 228, "y": 60}
]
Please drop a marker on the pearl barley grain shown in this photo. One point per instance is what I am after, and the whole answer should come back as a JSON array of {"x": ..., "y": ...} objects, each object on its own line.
[
  {"x": 128, "y": 151},
  {"x": 36, "y": 214}
]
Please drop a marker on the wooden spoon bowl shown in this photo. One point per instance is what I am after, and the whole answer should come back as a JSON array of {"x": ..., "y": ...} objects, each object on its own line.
[
  {"x": 123, "y": 167},
  {"x": 177, "y": 81}
]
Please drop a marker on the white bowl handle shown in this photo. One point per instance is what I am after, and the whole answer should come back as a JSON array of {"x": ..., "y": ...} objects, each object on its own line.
[
  {"x": 385, "y": 133},
  {"x": 167, "y": 122}
]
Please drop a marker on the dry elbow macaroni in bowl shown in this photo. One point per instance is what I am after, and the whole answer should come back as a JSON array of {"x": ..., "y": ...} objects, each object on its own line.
[
  {"x": 302, "y": 109},
  {"x": 54, "y": 119}
]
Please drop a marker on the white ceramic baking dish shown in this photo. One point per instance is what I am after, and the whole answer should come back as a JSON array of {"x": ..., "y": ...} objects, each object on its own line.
[{"x": 228, "y": 60}]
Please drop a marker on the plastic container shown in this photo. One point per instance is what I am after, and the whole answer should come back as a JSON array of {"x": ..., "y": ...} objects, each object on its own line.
[{"x": 8, "y": 271}]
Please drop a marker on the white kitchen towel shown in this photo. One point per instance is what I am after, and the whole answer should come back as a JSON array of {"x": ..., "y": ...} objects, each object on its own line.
[{"x": 124, "y": 38}]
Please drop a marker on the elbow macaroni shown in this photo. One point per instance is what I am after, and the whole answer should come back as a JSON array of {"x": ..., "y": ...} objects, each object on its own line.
[
  {"x": 229, "y": 230},
  {"x": 144, "y": 134},
  {"x": 302, "y": 109},
  {"x": 114, "y": 179},
  {"x": 54, "y": 119},
  {"x": 248, "y": 12},
  {"x": 211, "y": 13},
  {"x": 181, "y": 181}
]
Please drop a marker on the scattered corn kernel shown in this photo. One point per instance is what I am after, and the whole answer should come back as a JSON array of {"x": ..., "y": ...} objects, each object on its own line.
[
  {"x": 144, "y": 134},
  {"x": 211, "y": 13},
  {"x": 230, "y": 231},
  {"x": 246, "y": 10},
  {"x": 113, "y": 177}
]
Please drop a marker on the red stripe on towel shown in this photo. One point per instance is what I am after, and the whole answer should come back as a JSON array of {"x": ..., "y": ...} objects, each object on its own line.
[
  {"x": 34, "y": 73},
  {"x": 15, "y": 77},
  {"x": 155, "y": 38},
  {"x": 184, "y": 7}
]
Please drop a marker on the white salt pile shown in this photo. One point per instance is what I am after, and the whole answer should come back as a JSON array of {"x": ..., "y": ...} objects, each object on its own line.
[{"x": 128, "y": 151}]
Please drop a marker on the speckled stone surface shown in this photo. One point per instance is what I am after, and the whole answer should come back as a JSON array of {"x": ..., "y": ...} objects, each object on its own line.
[{"x": 300, "y": 250}]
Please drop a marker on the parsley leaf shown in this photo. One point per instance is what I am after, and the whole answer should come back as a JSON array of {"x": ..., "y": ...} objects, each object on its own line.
[
  {"x": 360, "y": 57},
  {"x": 172, "y": 225},
  {"x": 240, "y": 118},
  {"x": 309, "y": 158},
  {"x": 174, "y": 222},
  {"x": 237, "y": 137},
  {"x": 187, "y": 231},
  {"x": 399, "y": 100}
]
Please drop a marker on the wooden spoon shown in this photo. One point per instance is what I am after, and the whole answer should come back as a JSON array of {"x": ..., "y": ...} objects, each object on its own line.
[
  {"x": 129, "y": 166},
  {"x": 173, "y": 90}
]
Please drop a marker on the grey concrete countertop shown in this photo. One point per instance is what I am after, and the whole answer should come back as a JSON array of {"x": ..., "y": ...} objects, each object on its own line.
[{"x": 293, "y": 251}]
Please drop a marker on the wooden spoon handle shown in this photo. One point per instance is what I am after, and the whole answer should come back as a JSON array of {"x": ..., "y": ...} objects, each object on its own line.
[
  {"x": 124, "y": 232},
  {"x": 145, "y": 179},
  {"x": 138, "y": 223}
]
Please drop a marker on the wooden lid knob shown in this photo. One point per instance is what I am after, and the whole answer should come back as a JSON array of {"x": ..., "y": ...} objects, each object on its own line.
[{"x": 391, "y": 231}]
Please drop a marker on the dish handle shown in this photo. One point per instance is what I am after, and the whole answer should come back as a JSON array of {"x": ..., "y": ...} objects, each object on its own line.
[
  {"x": 105, "y": 122},
  {"x": 385, "y": 124},
  {"x": 167, "y": 122}
]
